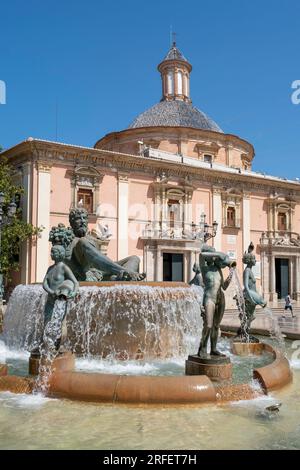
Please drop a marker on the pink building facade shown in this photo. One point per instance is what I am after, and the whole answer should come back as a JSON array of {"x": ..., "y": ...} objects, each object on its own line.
[{"x": 146, "y": 187}]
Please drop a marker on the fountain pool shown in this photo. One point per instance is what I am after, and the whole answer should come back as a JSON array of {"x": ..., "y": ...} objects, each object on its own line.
[
  {"x": 36, "y": 422},
  {"x": 133, "y": 335}
]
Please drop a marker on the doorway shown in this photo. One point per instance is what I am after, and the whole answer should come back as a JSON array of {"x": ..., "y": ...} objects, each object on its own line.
[
  {"x": 172, "y": 267},
  {"x": 282, "y": 277}
]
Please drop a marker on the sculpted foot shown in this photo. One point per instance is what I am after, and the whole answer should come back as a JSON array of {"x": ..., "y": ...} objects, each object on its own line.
[
  {"x": 202, "y": 353},
  {"x": 133, "y": 276},
  {"x": 215, "y": 352}
]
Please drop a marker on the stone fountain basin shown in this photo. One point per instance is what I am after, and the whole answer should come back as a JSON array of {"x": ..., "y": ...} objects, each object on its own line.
[{"x": 66, "y": 382}]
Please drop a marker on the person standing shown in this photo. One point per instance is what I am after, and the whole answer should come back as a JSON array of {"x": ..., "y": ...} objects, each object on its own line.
[{"x": 288, "y": 305}]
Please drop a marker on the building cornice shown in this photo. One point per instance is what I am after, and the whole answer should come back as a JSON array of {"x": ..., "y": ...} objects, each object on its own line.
[{"x": 65, "y": 154}]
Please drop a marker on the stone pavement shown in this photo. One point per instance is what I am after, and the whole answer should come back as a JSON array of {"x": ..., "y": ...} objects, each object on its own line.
[{"x": 290, "y": 327}]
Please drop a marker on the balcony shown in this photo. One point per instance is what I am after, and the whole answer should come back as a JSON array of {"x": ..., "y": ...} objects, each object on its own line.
[{"x": 165, "y": 231}]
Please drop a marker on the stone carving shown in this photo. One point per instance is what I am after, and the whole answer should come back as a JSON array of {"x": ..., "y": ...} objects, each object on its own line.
[
  {"x": 286, "y": 240},
  {"x": 211, "y": 265},
  {"x": 162, "y": 177},
  {"x": 102, "y": 232}
]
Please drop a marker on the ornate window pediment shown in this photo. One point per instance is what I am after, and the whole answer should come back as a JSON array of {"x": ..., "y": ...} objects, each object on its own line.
[
  {"x": 281, "y": 211},
  {"x": 231, "y": 208},
  {"x": 85, "y": 181}
]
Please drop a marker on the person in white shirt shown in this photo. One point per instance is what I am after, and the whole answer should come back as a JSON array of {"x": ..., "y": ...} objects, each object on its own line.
[{"x": 288, "y": 305}]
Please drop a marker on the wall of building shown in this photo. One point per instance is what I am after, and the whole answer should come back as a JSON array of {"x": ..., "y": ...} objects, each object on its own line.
[{"x": 225, "y": 149}]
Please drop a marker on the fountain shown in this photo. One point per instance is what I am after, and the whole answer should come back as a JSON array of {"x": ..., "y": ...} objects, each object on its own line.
[{"x": 91, "y": 307}]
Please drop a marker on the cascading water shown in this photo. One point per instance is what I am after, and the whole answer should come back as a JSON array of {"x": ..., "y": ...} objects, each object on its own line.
[
  {"x": 48, "y": 347},
  {"x": 274, "y": 329},
  {"x": 119, "y": 321},
  {"x": 240, "y": 302},
  {"x": 272, "y": 324}
]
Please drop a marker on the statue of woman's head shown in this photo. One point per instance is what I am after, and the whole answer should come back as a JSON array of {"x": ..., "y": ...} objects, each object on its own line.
[{"x": 249, "y": 257}]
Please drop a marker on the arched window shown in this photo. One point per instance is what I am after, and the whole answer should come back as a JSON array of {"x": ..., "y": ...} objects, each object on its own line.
[
  {"x": 170, "y": 83},
  {"x": 282, "y": 221},
  {"x": 231, "y": 216},
  {"x": 179, "y": 83}
]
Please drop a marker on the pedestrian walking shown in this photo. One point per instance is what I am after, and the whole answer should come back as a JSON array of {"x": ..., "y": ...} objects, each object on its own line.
[{"x": 288, "y": 305}]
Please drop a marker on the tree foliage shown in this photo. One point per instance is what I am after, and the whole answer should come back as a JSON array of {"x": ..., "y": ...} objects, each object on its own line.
[{"x": 14, "y": 230}]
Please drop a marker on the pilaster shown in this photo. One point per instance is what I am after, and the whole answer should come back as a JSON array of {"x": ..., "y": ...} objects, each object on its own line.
[
  {"x": 43, "y": 219},
  {"x": 123, "y": 193}
]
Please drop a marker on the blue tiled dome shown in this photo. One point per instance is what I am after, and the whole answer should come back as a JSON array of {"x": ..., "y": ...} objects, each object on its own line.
[{"x": 174, "y": 113}]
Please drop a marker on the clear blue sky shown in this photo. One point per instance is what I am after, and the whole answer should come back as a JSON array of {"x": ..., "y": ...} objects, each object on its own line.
[{"x": 98, "y": 60}]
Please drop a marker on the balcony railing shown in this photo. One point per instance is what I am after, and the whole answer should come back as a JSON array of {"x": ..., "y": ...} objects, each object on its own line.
[{"x": 179, "y": 231}]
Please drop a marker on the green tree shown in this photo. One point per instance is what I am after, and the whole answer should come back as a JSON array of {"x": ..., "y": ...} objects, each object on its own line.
[{"x": 17, "y": 230}]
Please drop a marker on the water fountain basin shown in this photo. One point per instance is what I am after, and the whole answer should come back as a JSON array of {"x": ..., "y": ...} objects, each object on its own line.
[
  {"x": 136, "y": 320},
  {"x": 66, "y": 382}
]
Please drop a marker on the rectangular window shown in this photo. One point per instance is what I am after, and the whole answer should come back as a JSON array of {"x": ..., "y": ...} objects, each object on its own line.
[
  {"x": 282, "y": 225},
  {"x": 231, "y": 217},
  {"x": 207, "y": 158},
  {"x": 85, "y": 199},
  {"x": 173, "y": 212}
]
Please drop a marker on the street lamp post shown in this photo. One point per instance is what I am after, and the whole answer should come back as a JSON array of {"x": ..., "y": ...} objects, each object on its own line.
[
  {"x": 205, "y": 233},
  {"x": 5, "y": 219}
]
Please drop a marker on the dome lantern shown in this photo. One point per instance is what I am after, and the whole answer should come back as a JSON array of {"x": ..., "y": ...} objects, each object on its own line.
[{"x": 175, "y": 75}]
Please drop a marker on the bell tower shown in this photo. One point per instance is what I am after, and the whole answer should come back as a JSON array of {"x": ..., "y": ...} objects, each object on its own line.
[{"x": 175, "y": 75}]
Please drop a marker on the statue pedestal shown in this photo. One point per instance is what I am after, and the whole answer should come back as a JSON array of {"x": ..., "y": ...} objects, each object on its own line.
[
  {"x": 217, "y": 368},
  {"x": 246, "y": 349},
  {"x": 3, "y": 369},
  {"x": 64, "y": 361}
]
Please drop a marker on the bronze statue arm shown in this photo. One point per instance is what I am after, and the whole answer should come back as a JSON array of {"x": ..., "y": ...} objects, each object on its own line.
[
  {"x": 226, "y": 283},
  {"x": 87, "y": 255},
  {"x": 69, "y": 275}
]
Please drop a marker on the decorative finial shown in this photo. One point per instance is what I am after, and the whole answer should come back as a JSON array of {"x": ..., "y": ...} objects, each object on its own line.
[{"x": 174, "y": 39}]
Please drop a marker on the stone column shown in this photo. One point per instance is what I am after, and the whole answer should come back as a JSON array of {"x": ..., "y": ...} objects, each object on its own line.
[
  {"x": 246, "y": 221},
  {"x": 272, "y": 273},
  {"x": 262, "y": 270},
  {"x": 185, "y": 267},
  {"x": 156, "y": 212},
  {"x": 164, "y": 210},
  {"x": 187, "y": 211},
  {"x": 176, "y": 82},
  {"x": 26, "y": 215},
  {"x": 297, "y": 277},
  {"x": 74, "y": 191},
  {"x": 123, "y": 190},
  {"x": 184, "y": 84},
  {"x": 291, "y": 277},
  {"x": 217, "y": 215},
  {"x": 158, "y": 266},
  {"x": 43, "y": 219},
  {"x": 96, "y": 198}
]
